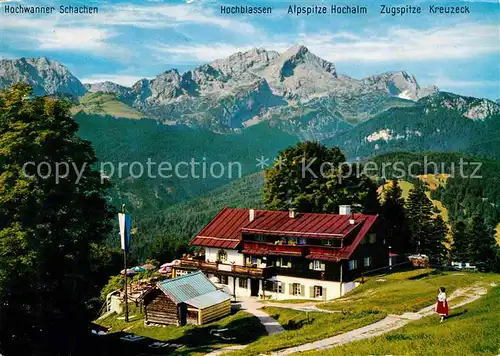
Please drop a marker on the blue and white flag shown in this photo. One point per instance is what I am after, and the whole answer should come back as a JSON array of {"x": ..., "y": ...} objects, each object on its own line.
[{"x": 125, "y": 226}]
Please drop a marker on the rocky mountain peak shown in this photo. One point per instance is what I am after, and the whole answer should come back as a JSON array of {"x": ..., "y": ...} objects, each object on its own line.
[
  {"x": 107, "y": 87},
  {"x": 469, "y": 107},
  {"x": 400, "y": 84},
  {"x": 255, "y": 59},
  {"x": 44, "y": 75}
]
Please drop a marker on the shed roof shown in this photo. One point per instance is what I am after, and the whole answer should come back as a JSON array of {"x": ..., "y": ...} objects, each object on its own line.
[
  {"x": 187, "y": 287},
  {"x": 209, "y": 299}
]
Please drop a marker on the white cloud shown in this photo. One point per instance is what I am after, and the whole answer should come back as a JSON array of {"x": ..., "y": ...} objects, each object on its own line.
[
  {"x": 465, "y": 41},
  {"x": 122, "y": 79},
  {"x": 79, "y": 39},
  {"x": 164, "y": 16},
  {"x": 405, "y": 44},
  {"x": 442, "y": 81}
]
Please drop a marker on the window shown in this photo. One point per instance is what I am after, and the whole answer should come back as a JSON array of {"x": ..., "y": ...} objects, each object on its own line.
[
  {"x": 223, "y": 280},
  {"x": 302, "y": 241},
  {"x": 222, "y": 256},
  {"x": 268, "y": 286},
  {"x": 326, "y": 242},
  {"x": 318, "y": 291},
  {"x": 260, "y": 238},
  {"x": 367, "y": 261},
  {"x": 353, "y": 264},
  {"x": 296, "y": 289},
  {"x": 243, "y": 282},
  {"x": 372, "y": 238},
  {"x": 292, "y": 241},
  {"x": 180, "y": 272},
  {"x": 317, "y": 265},
  {"x": 279, "y": 287},
  {"x": 363, "y": 241},
  {"x": 284, "y": 262}
]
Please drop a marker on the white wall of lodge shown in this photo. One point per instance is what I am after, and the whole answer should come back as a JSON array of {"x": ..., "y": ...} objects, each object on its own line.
[
  {"x": 289, "y": 288},
  {"x": 305, "y": 288},
  {"x": 212, "y": 254}
]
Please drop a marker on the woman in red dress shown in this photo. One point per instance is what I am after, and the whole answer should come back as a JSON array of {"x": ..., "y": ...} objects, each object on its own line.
[{"x": 442, "y": 304}]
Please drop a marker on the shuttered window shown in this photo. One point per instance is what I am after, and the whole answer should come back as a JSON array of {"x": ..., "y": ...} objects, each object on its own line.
[
  {"x": 317, "y": 265},
  {"x": 297, "y": 289}
]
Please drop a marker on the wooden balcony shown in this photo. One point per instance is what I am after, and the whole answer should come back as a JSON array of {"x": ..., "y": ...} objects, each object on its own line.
[
  {"x": 228, "y": 269},
  {"x": 276, "y": 249}
]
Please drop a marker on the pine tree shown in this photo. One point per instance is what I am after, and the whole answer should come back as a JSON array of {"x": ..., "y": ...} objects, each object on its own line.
[
  {"x": 461, "y": 242},
  {"x": 427, "y": 233},
  {"x": 482, "y": 244},
  {"x": 393, "y": 219},
  {"x": 437, "y": 238},
  {"x": 419, "y": 215}
]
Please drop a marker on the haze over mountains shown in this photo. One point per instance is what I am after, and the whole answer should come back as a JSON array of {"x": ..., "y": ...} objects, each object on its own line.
[{"x": 296, "y": 90}]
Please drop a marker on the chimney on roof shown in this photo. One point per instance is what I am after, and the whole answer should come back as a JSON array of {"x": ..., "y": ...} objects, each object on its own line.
[
  {"x": 292, "y": 214},
  {"x": 251, "y": 215},
  {"x": 344, "y": 209}
]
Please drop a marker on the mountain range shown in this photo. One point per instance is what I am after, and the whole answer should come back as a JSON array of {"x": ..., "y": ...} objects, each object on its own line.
[
  {"x": 296, "y": 90},
  {"x": 248, "y": 106}
]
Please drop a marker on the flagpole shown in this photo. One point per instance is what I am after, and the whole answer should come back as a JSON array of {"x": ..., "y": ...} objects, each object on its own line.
[{"x": 125, "y": 264}]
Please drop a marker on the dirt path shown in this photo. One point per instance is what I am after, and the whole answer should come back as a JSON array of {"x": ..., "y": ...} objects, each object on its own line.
[
  {"x": 390, "y": 323},
  {"x": 252, "y": 306}
]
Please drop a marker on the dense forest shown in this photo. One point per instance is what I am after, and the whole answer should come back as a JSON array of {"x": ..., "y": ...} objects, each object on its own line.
[
  {"x": 420, "y": 129},
  {"x": 128, "y": 141},
  {"x": 476, "y": 193},
  {"x": 164, "y": 234}
]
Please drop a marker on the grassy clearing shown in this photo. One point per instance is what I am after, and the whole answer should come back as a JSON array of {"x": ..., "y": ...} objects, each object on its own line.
[
  {"x": 407, "y": 291},
  {"x": 498, "y": 234},
  {"x": 106, "y": 104},
  {"x": 470, "y": 330},
  {"x": 301, "y": 329},
  {"x": 433, "y": 182},
  {"x": 242, "y": 328}
]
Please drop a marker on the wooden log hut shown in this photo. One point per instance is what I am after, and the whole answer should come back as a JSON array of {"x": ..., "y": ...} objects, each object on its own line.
[{"x": 188, "y": 299}]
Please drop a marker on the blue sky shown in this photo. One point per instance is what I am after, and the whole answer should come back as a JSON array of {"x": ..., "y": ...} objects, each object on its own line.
[{"x": 129, "y": 40}]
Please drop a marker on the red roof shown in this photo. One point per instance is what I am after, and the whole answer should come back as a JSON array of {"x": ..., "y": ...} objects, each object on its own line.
[
  {"x": 310, "y": 225},
  {"x": 225, "y": 230}
]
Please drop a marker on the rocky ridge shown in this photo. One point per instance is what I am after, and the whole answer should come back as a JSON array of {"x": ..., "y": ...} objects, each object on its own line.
[{"x": 47, "y": 77}]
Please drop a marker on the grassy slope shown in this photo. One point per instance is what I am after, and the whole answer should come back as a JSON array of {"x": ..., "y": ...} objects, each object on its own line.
[
  {"x": 396, "y": 293},
  {"x": 106, "y": 104},
  {"x": 407, "y": 291},
  {"x": 242, "y": 326},
  {"x": 470, "y": 330},
  {"x": 300, "y": 330}
]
